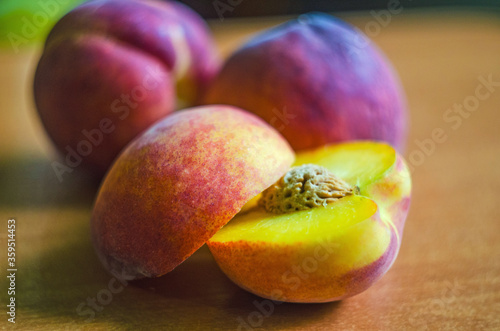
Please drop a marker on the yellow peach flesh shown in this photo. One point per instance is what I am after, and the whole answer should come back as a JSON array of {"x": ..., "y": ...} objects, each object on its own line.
[{"x": 258, "y": 249}]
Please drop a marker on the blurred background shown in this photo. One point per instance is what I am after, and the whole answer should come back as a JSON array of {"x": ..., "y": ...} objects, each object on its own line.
[
  {"x": 292, "y": 7},
  {"x": 17, "y": 14}
]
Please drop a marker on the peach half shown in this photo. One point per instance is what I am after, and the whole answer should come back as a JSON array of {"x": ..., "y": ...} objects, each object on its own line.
[
  {"x": 178, "y": 183},
  {"x": 327, "y": 230}
]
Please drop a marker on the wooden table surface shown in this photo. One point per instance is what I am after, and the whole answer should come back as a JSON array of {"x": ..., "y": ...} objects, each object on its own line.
[{"x": 447, "y": 275}]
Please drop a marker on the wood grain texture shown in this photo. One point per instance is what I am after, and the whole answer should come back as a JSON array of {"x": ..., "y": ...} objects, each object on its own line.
[{"x": 447, "y": 275}]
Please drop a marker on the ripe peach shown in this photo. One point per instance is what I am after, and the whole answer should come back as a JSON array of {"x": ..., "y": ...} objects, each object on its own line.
[
  {"x": 178, "y": 183},
  {"x": 327, "y": 230},
  {"x": 111, "y": 68},
  {"x": 317, "y": 80}
]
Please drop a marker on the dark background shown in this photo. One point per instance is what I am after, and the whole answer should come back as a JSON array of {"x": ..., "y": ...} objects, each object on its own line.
[{"x": 250, "y": 8}]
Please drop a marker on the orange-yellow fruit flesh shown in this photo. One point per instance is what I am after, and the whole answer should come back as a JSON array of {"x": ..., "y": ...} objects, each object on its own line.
[
  {"x": 376, "y": 168},
  {"x": 316, "y": 224},
  {"x": 326, "y": 243},
  {"x": 261, "y": 251},
  {"x": 363, "y": 164},
  {"x": 359, "y": 163}
]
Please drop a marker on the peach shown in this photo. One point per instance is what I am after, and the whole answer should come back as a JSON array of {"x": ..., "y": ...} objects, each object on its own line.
[
  {"x": 178, "y": 183},
  {"x": 317, "y": 80},
  {"x": 112, "y": 68},
  {"x": 327, "y": 230}
]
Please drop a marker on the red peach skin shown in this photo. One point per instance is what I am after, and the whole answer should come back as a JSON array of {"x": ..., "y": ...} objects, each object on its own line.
[
  {"x": 317, "y": 80},
  {"x": 178, "y": 183},
  {"x": 128, "y": 62}
]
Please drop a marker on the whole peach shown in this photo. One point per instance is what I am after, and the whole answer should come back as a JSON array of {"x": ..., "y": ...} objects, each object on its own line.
[
  {"x": 317, "y": 80},
  {"x": 111, "y": 68},
  {"x": 178, "y": 183}
]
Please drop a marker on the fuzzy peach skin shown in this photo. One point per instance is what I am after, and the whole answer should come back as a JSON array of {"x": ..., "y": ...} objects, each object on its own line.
[
  {"x": 127, "y": 63},
  {"x": 178, "y": 183},
  {"x": 318, "y": 80},
  {"x": 323, "y": 254}
]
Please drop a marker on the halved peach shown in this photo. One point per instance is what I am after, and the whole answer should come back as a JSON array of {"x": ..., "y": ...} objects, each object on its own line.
[
  {"x": 327, "y": 230},
  {"x": 178, "y": 183}
]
